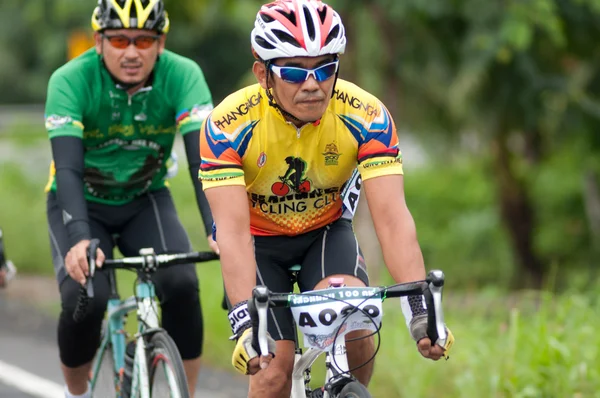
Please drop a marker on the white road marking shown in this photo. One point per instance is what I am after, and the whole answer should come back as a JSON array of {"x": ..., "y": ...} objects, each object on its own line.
[
  {"x": 37, "y": 386},
  {"x": 29, "y": 383}
]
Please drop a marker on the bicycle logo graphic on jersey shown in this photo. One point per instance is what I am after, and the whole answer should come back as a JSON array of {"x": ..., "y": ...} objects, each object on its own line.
[{"x": 294, "y": 178}]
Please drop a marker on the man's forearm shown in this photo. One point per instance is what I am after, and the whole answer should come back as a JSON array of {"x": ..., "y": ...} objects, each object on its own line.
[
  {"x": 238, "y": 266},
  {"x": 401, "y": 250},
  {"x": 68, "y": 160}
]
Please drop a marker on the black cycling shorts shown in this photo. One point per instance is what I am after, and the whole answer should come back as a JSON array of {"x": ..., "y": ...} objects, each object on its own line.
[
  {"x": 149, "y": 221},
  {"x": 327, "y": 251}
]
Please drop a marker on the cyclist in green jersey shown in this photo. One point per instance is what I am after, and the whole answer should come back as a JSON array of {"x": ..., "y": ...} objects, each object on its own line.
[{"x": 112, "y": 115}]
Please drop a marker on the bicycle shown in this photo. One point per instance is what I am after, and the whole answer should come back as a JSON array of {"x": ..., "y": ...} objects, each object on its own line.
[
  {"x": 324, "y": 317},
  {"x": 133, "y": 369}
]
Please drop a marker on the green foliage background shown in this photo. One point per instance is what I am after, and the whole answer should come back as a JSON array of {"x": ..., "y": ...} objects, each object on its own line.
[{"x": 503, "y": 99}]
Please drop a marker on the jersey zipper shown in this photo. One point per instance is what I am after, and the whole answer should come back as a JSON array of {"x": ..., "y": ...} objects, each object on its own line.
[
  {"x": 141, "y": 90},
  {"x": 298, "y": 138}
]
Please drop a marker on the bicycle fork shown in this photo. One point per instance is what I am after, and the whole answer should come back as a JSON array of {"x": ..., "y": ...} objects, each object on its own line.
[
  {"x": 148, "y": 320},
  {"x": 140, "y": 370}
]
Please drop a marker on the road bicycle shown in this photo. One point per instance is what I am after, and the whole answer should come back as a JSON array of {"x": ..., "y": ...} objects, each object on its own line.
[
  {"x": 324, "y": 317},
  {"x": 150, "y": 364}
]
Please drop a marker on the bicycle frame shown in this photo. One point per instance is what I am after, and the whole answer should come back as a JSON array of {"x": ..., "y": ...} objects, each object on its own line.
[
  {"x": 336, "y": 363},
  {"x": 147, "y": 315},
  {"x": 114, "y": 334}
]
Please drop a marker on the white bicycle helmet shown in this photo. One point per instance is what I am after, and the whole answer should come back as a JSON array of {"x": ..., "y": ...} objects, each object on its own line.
[{"x": 297, "y": 28}]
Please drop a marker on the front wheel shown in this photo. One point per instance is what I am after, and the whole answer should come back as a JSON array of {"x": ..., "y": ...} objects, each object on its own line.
[
  {"x": 167, "y": 376},
  {"x": 354, "y": 390}
]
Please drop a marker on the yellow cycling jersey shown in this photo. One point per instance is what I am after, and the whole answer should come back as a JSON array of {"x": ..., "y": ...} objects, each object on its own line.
[{"x": 294, "y": 176}]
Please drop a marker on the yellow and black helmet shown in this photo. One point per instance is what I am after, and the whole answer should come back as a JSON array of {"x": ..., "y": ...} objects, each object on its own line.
[{"x": 130, "y": 14}]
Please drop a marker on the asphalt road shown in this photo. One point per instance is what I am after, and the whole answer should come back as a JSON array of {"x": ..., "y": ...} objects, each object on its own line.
[{"x": 29, "y": 365}]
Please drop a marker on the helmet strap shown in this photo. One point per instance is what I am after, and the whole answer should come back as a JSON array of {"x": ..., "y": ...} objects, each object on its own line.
[
  {"x": 272, "y": 101},
  {"x": 336, "y": 76}
]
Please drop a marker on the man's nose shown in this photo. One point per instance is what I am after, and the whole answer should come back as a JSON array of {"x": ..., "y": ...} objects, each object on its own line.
[
  {"x": 131, "y": 51},
  {"x": 310, "y": 84}
]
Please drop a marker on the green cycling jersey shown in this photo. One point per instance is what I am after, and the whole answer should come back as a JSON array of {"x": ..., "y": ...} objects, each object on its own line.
[{"x": 127, "y": 138}]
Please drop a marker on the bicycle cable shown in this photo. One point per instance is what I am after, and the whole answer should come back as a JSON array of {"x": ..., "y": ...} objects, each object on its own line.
[
  {"x": 339, "y": 330},
  {"x": 135, "y": 283}
]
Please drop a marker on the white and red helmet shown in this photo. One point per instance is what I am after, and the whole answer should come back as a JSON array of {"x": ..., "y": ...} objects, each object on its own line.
[{"x": 297, "y": 28}]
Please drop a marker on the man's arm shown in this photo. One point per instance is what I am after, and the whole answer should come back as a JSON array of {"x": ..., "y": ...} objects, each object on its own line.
[
  {"x": 67, "y": 153},
  {"x": 64, "y": 115},
  {"x": 397, "y": 235},
  {"x": 395, "y": 227},
  {"x": 230, "y": 209},
  {"x": 229, "y": 205},
  {"x": 192, "y": 150}
]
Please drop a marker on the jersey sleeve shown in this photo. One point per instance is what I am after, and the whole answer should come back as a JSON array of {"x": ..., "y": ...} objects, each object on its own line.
[
  {"x": 221, "y": 163},
  {"x": 378, "y": 151},
  {"x": 64, "y": 111},
  {"x": 194, "y": 100}
]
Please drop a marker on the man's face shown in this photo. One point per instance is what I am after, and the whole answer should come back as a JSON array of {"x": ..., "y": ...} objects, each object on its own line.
[
  {"x": 307, "y": 100},
  {"x": 130, "y": 61}
]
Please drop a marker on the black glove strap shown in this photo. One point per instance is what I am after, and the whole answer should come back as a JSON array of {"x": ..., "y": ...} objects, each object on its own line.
[{"x": 239, "y": 318}]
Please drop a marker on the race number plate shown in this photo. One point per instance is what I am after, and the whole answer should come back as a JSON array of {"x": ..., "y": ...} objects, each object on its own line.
[
  {"x": 351, "y": 195},
  {"x": 319, "y": 317}
]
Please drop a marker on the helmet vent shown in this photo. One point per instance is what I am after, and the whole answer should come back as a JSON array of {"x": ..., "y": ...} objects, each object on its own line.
[
  {"x": 310, "y": 26},
  {"x": 322, "y": 14},
  {"x": 285, "y": 37},
  {"x": 332, "y": 35},
  {"x": 133, "y": 13},
  {"x": 113, "y": 16},
  {"x": 263, "y": 43},
  {"x": 291, "y": 16},
  {"x": 266, "y": 18}
]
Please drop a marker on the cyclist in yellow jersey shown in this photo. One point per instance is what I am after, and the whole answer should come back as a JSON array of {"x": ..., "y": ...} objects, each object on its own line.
[{"x": 278, "y": 162}]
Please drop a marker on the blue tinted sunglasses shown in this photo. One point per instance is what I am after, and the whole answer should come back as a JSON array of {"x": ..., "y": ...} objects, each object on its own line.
[{"x": 292, "y": 74}]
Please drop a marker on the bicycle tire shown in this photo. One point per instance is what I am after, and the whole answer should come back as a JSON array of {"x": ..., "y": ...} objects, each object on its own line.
[
  {"x": 105, "y": 378},
  {"x": 164, "y": 360},
  {"x": 354, "y": 390}
]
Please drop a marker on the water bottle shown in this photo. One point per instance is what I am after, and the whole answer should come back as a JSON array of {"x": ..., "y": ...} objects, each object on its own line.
[{"x": 128, "y": 371}]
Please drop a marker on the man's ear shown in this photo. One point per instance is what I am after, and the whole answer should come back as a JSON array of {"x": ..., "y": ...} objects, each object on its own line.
[
  {"x": 98, "y": 42},
  {"x": 260, "y": 71},
  {"x": 161, "y": 43}
]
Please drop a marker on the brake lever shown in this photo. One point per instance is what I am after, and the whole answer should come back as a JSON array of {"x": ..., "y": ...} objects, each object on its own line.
[
  {"x": 435, "y": 280},
  {"x": 260, "y": 296},
  {"x": 92, "y": 249}
]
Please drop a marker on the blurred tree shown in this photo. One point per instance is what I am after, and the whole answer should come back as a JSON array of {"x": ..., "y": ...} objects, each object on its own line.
[
  {"x": 518, "y": 73},
  {"x": 514, "y": 80},
  {"x": 34, "y": 38}
]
